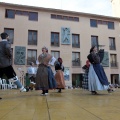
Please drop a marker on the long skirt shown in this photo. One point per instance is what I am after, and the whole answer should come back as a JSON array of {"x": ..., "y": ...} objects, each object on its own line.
[
  {"x": 51, "y": 79},
  {"x": 94, "y": 83},
  {"x": 42, "y": 78},
  {"x": 60, "y": 79},
  {"x": 101, "y": 74}
]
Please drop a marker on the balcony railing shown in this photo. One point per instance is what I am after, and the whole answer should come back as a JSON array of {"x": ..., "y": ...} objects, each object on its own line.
[
  {"x": 55, "y": 44},
  {"x": 112, "y": 47},
  {"x": 114, "y": 64},
  {"x": 76, "y": 45},
  {"x": 76, "y": 63},
  {"x": 34, "y": 42}
]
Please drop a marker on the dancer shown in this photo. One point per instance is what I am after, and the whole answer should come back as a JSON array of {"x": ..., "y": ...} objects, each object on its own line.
[
  {"x": 85, "y": 78},
  {"x": 44, "y": 77},
  {"x": 6, "y": 62},
  {"x": 97, "y": 79},
  {"x": 59, "y": 68}
]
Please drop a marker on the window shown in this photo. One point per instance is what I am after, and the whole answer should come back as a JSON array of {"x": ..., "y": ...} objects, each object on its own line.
[
  {"x": 76, "y": 19},
  {"x": 18, "y": 12},
  {"x": 31, "y": 56},
  {"x": 54, "y": 39},
  {"x": 115, "y": 79},
  {"x": 10, "y": 32},
  {"x": 75, "y": 41},
  {"x": 113, "y": 58},
  {"x": 94, "y": 41},
  {"x": 10, "y": 13},
  {"x": 93, "y": 23},
  {"x": 76, "y": 80},
  {"x": 112, "y": 43},
  {"x": 32, "y": 37},
  {"x": 61, "y": 17},
  {"x": 56, "y": 54},
  {"x": 75, "y": 59},
  {"x": 33, "y": 16},
  {"x": 53, "y": 16},
  {"x": 65, "y": 17},
  {"x": 71, "y": 18},
  {"x": 110, "y": 25}
]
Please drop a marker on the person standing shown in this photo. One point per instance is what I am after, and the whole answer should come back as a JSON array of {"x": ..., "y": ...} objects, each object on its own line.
[
  {"x": 59, "y": 68},
  {"x": 6, "y": 62},
  {"x": 97, "y": 79},
  {"x": 31, "y": 75},
  {"x": 44, "y": 77}
]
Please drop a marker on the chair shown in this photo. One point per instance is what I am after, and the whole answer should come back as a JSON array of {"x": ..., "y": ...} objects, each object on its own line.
[
  {"x": 0, "y": 82},
  {"x": 4, "y": 84},
  {"x": 12, "y": 85}
]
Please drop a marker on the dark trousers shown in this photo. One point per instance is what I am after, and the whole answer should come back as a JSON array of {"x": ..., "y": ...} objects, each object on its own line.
[{"x": 8, "y": 71}]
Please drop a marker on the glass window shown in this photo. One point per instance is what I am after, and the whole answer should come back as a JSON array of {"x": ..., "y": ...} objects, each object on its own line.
[
  {"x": 93, "y": 23},
  {"x": 71, "y": 18},
  {"x": 76, "y": 19},
  {"x": 110, "y": 25},
  {"x": 56, "y": 54},
  {"x": 65, "y": 17},
  {"x": 31, "y": 56},
  {"x": 18, "y": 12},
  {"x": 112, "y": 43},
  {"x": 33, "y": 16},
  {"x": 54, "y": 39},
  {"x": 94, "y": 41},
  {"x": 53, "y": 16},
  {"x": 59, "y": 16},
  {"x": 32, "y": 37},
  {"x": 10, "y": 13},
  {"x": 10, "y": 32},
  {"x": 113, "y": 59},
  {"x": 75, "y": 59},
  {"x": 75, "y": 40}
]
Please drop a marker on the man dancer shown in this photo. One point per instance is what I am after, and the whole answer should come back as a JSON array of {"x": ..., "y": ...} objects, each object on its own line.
[{"x": 6, "y": 62}]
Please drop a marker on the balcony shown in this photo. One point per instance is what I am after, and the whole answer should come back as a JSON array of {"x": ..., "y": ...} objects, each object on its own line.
[
  {"x": 76, "y": 63},
  {"x": 114, "y": 64},
  {"x": 112, "y": 47},
  {"x": 55, "y": 44},
  {"x": 76, "y": 45},
  {"x": 33, "y": 42}
]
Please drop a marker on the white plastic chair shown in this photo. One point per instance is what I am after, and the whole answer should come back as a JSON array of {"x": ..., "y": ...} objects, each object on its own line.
[
  {"x": 0, "y": 83},
  {"x": 4, "y": 84},
  {"x": 12, "y": 85}
]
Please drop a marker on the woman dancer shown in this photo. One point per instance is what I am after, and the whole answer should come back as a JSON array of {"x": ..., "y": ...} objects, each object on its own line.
[
  {"x": 97, "y": 79},
  {"x": 44, "y": 77},
  {"x": 59, "y": 68}
]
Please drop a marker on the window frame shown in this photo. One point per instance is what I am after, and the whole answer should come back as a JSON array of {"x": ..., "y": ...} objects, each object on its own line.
[
  {"x": 55, "y": 43},
  {"x": 31, "y": 50},
  {"x": 75, "y": 45},
  {"x": 32, "y": 42},
  {"x": 9, "y": 35}
]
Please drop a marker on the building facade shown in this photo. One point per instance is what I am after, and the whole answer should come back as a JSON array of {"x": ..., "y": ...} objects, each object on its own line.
[
  {"x": 116, "y": 7},
  {"x": 67, "y": 34}
]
